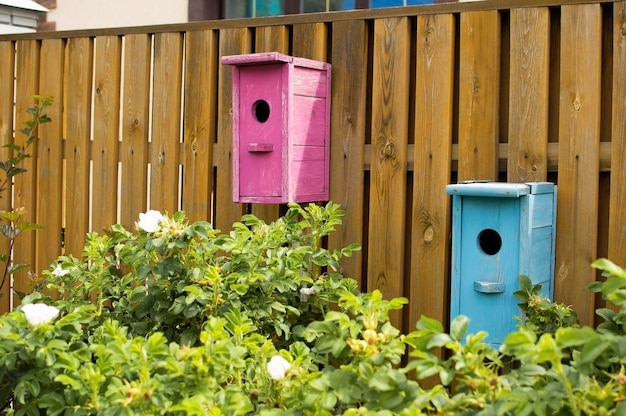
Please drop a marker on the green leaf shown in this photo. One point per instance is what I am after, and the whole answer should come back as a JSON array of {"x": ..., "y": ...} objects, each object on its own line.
[
  {"x": 12, "y": 146},
  {"x": 573, "y": 337},
  {"x": 606, "y": 313},
  {"x": 277, "y": 306},
  {"x": 327, "y": 343},
  {"x": 429, "y": 324},
  {"x": 613, "y": 284},
  {"x": 68, "y": 381},
  {"x": 27, "y": 226},
  {"x": 594, "y": 287},
  {"x": 380, "y": 384},
  {"x": 520, "y": 338},
  {"x": 593, "y": 350},
  {"x": 10, "y": 215},
  {"x": 17, "y": 267},
  {"x": 52, "y": 401},
  {"x": 458, "y": 327},
  {"x": 525, "y": 283},
  {"x": 8, "y": 231},
  {"x": 14, "y": 170},
  {"x": 328, "y": 400},
  {"x": 446, "y": 376},
  {"x": 336, "y": 316},
  {"x": 438, "y": 340},
  {"x": 609, "y": 267},
  {"x": 398, "y": 303},
  {"x": 320, "y": 383}
]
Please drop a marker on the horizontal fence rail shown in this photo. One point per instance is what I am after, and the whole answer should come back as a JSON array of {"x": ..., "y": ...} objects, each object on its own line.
[{"x": 515, "y": 91}]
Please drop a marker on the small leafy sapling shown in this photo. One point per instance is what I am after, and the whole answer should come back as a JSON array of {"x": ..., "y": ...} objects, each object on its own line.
[{"x": 12, "y": 222}]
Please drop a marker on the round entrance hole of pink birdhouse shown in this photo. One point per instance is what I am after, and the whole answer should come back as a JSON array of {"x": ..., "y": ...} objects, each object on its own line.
[
  {"x": 261, "y": 110},
  {"x": 489, "y": 241}
]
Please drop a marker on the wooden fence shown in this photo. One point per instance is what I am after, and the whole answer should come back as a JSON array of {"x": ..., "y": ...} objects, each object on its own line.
[{"x": 508, "y": 90}]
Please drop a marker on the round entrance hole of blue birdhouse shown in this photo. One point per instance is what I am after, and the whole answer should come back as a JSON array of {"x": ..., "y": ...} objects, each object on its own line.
[
  {"x": 489, "y": 241},
  {"x": 261, "y": 110}
]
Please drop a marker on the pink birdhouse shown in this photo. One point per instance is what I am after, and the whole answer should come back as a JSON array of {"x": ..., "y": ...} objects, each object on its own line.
[{"x": 281, "y": 128}]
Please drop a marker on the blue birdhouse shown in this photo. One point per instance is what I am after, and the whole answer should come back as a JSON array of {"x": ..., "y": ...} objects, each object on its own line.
[{"x": 499, "y": 232}]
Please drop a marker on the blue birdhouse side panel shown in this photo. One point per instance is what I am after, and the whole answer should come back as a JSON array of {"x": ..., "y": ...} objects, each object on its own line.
[{"x": 537, "y": 244}]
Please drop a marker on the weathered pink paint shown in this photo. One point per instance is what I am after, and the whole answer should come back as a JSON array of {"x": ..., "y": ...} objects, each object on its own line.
[{"x": 281, "y": 128}]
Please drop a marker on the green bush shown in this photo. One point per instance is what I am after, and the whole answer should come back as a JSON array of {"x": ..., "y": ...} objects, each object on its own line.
[{"x": 177, "y": 318}]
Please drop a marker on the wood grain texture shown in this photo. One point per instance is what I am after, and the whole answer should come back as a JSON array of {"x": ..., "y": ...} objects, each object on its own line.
[
  {"x": 135, "y": 128},
  {"x": 348, "y": 112},
  {"x": 231, "y": 42},
  {"x": 106, "y": 121},
  {"x": 270, "y": 39},
  {"x": 27, "y": 84},
  {"x": 310, "y": 40},
  {"x": 390, "y": 112},
  {"x": 7, "y": 89},
  {"x": 362, "y": 14},
  {"x": 479, "y": 95},
  {"x": 434, "y": 90},
  {"x": 370, "y": 102},
  {"x": 617, "y": 208},
  {"x": 528, "y": 95},
  {"x": 579, "y": 138},
  {"x": 50, "y": 145},
  {"x": 200, "y": 116},
  {"x": 166, "y": 122},
  {"x": 78, "y": 152}
]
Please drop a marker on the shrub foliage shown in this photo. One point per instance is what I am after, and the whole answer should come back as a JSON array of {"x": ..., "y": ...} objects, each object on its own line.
[{"x": 178, "y": 318}]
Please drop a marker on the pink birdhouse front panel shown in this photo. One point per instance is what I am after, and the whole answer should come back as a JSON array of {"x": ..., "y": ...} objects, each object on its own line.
[{"x": 260, "y": 114}]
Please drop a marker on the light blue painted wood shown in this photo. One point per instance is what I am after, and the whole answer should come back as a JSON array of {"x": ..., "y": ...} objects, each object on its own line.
[
  {"x": 537, "y": 188},
  {"x": 500, "y": 230},
  {"x": 541, "y": 210},
  {"x": 489, "y": 287},
  {"x": 488, "y": 189}
]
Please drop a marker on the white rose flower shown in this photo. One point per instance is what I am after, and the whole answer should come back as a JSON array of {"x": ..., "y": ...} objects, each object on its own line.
[
  {"x": 305, "y": 292},
  {"x": 39, "y": 313},
  {"x": 277, "y": 367},
  {"x": 149, "y": 222},
  {"x": 59, "y": 271}
]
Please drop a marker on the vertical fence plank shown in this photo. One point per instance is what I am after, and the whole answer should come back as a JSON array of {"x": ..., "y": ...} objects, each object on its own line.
[
  {"x": 232, "y": 42},
  {"x": 310, "y": 40},
  {"x": 50, "y": 153},
  {"x": 108, "y": 67},
  {"x": 528, "y": 95},
  {"x": 269, "y": 39},
  {"x": 555, "y": 69},
  {"x": 135, "y": 128},
  {"x": 7, "y": 69},
  {"x": 430, "y": 254},
  {"x": 27, "y": 84},
  {"x": 479, "y": 95},
  {"x": 390, "y": 108},
  {"x": 166, "y": 105},
  {"x": 579, "y": 137},
  {"x": 199, "y": 123},
  {"x": 617, "y": 208},
  {"x": 348, "y": 129},
  {"x": 77, "y": 156}
]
